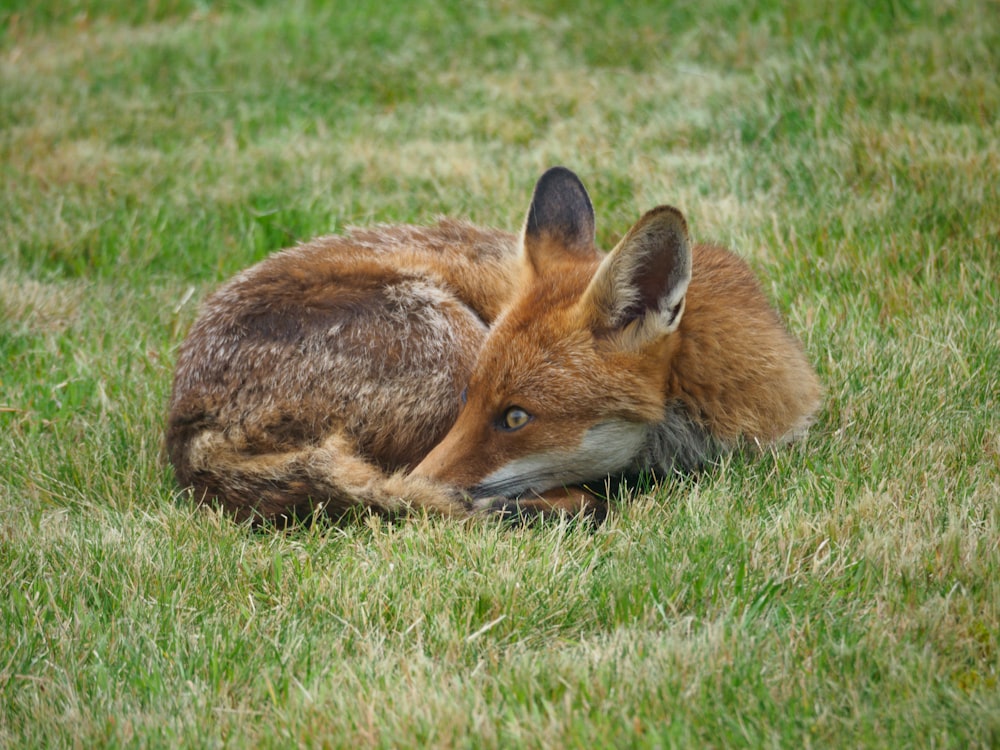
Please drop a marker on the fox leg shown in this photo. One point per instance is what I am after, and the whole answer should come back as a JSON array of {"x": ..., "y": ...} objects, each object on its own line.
[
  {"x": 330, "y": 477},
  {"x": 571, "y": 501}
]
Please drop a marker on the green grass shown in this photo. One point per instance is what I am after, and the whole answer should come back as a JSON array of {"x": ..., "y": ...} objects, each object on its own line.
[{"x": 842, "y": 592}]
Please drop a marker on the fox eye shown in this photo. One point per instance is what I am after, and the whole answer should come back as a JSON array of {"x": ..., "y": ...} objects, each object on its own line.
[
  {"x": 515, "y": 418},
  {"x": 464, "y": 396}
]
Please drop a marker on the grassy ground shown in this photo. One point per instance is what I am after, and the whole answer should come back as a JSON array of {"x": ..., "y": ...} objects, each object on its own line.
[{"x": 844, "y": 592}]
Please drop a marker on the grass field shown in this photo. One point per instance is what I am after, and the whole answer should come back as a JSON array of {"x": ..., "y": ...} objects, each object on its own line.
[{"x": 844, "y": 592}]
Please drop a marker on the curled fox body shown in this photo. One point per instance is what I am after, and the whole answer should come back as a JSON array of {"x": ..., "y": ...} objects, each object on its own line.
[{"x": 452, "y": 369}]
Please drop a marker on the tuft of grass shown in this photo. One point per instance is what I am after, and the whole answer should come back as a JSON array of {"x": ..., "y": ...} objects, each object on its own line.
[{"x": 843, "y": 591}]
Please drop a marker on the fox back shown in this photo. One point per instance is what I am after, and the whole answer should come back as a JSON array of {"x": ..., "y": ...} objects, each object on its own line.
[{"x": 657, "y": 356}]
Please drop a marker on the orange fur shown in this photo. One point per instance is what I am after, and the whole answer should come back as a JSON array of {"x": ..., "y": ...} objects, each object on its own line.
[{"x": 318, "y": 377}]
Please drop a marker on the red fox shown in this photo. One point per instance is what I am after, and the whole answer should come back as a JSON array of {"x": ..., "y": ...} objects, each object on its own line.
[{"x": 506, "y": 371}]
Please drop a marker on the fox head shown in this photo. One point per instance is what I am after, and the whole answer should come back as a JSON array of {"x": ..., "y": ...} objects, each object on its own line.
[{"x": 573, "y": 372}]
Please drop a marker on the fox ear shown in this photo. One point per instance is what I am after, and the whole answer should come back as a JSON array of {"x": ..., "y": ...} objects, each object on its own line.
[
  {"x": 644, "y": 279},
  {"x": 560, "y": 222}
]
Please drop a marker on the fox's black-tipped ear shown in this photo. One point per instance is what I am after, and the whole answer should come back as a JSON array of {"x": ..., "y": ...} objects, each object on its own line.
[
  {"x": 560, "y": 222},
  {"x": 643, "y": 281}
]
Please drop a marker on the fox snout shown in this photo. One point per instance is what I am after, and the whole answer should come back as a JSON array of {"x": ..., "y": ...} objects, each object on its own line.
[
  {"x": 447, "y": 465},
  {"x": 605, "y": 449}
]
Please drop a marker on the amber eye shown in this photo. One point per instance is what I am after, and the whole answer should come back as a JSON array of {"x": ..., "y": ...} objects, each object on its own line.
[{"x": 515, "y": 418}]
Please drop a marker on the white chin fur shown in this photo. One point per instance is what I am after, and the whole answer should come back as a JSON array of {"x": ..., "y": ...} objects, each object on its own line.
[{"x": 606, "y": 448}]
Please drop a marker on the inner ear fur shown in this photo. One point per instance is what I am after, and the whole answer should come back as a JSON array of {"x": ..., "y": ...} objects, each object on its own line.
[
  {"x": 642, "y": 282},
  {"x": 560, "y": 224}
]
